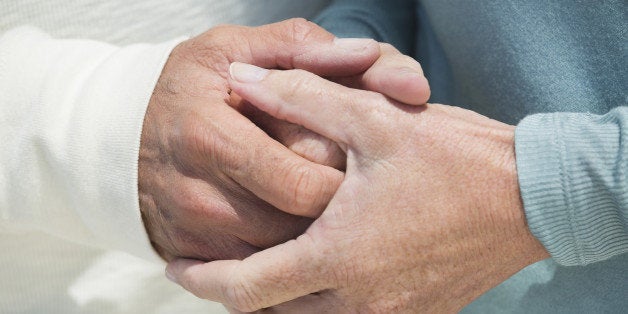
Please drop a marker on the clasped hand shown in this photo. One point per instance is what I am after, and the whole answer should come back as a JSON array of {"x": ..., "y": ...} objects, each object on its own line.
[
  {"x": 427, "y": 217},
  {"x": 220, "y": 179}
]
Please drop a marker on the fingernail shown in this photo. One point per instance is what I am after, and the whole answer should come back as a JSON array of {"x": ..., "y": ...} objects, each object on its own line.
[
  {"x": 246, "y": 73},
  {"x": 354, "y": 44},
  {"x": 169, "y": 275}
]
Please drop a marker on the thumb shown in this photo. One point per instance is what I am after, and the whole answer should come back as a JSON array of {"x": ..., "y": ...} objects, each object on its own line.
[
  {"x": 291, "y": 44},
  {"x": 276, "y": 275},
  {"x": 395, "y": 75}
]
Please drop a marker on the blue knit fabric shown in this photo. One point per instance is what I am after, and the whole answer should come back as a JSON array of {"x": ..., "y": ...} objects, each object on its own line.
[
  {"x": 373, "y": 19},
  {"x": 510, "y": 59}
]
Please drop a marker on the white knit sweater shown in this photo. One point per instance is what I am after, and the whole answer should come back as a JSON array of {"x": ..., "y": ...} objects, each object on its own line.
[{"x": 71, "y": 112}]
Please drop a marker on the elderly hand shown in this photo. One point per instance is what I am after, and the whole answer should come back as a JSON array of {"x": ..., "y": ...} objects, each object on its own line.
[
  {"x": 210, "y": 180},
  {"x": 393, "y": 74},
  {"x": 427, "y": 218}
]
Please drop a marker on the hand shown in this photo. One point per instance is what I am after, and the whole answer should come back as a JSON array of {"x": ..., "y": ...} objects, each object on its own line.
[
  {"x": 393, "y": 74},
  {"x": 427, "y": 218},
  {"x": 210, "y": 180}
]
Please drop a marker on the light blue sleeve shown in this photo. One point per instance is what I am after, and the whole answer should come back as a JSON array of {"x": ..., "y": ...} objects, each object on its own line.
[
  {"x": 390, "y": 21},
  {"x": 573, "y": 178}
]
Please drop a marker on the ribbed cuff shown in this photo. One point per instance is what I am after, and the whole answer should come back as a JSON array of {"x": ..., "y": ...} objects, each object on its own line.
[{"x": 572, "y": 175}]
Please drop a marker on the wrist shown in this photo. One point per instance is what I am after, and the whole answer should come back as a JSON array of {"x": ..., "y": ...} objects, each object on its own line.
[{"x": 509, "y": 211}]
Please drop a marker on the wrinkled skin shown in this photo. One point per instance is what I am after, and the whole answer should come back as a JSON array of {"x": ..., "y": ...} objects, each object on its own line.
[
  {"x": 427, "y": 218},
  {"x": 215, "y": 178}
]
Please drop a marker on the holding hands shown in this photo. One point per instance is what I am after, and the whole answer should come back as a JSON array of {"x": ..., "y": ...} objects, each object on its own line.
[
  {"x": 220, "y": 179},
  {"x": 427, "y": 217}
]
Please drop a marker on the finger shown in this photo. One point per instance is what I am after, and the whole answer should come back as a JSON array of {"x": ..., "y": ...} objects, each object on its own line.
[
  {"x": 305, "y": 143},
  {"x": 270, "y": 171},
  {"x": 304, "y": 45},
  {"x": 308, "y": 144},
  {"x": 294, "y": 43},
  {"x": 395, "y": 75},
  {"x": 219, "y": 222},
  {"x": 327, "y": 108},
  {"x": 276, "y": 275}
]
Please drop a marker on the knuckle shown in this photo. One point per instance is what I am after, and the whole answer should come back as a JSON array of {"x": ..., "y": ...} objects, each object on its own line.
[
  {"x": 393, "y": 57},
  {"x": 213, "y": 48},
  {"x": 293, "y": 35},
  {"x": 301, "y": 29},
  {"x": 305, "y": 188},
  {"x": 197, "y": 51},
  {"x": 196, "y": 201}
]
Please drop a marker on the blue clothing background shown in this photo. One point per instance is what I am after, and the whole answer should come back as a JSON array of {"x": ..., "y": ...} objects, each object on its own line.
[{"x": 509, "y": 59}]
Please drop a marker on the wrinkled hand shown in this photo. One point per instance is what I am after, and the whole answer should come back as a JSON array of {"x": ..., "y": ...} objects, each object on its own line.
[
  {"x": 427, "y": 218},
  {"x": 393, "y": 74},
  {"x": 210, "y": 180}
]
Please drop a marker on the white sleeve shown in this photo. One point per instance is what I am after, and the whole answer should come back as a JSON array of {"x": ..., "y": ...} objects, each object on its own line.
[{"x": 71, "y": 115}]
